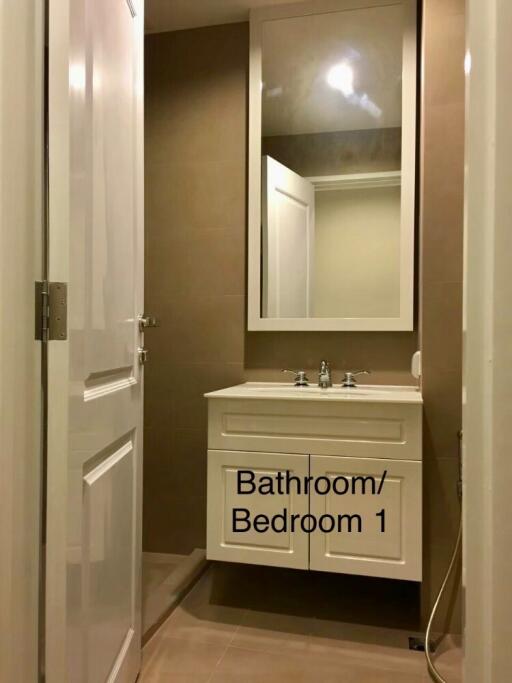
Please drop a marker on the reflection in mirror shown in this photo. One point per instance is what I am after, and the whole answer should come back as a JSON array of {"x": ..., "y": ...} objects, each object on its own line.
[{"x": 331, "y": 138}]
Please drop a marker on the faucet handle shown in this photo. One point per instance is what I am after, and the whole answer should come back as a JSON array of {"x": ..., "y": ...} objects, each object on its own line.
[
  {"x": 349, "y": 381},
  {"x": 301, "y": 379}
]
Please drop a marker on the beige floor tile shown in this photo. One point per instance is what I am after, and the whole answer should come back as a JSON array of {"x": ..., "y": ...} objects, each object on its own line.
[
  {"x": 207, "y": 641},
  {"x": 449, "y": 675},
  {"x": 156, "y": 571},
  {"x": 148, "y": 651},
  {"x": 203, "y": 617},
  {"x": 448, "y": 659},
  {"x": 264, "y": 667},
  {"x": 270, "y": 632},
  {"x": 366, "y": 664},
  {"x": 177, "y": 657},
  {"x": 365, "y": 673},
  {"x": 250, "y": 666},
  {"x": 386, "y": 648},
  {"x": 174, "y": 678},
  {"x": 203, "y": 623}
]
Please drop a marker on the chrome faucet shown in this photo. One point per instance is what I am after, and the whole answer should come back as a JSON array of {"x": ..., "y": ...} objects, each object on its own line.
[
  {"x": 324, "y": 375},
  {"x": 349, "y": 381},
  {"x": 301, "y": 379}
]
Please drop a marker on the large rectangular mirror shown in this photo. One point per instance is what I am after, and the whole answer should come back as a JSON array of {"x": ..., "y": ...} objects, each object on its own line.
[{"x": 332, "y": 166}]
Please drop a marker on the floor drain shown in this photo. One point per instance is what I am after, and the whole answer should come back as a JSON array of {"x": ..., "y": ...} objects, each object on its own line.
[{"x": 418, "y": 644}]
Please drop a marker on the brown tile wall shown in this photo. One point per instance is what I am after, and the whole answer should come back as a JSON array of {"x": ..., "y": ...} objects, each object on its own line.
[
  {"x": 442, "y": 196},
  {"x": 195, "y": 264},
  {"x": 196, "y": 128}
]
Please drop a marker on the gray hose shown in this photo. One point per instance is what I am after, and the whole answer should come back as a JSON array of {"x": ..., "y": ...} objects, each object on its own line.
[{"x": 428, "y": 654}]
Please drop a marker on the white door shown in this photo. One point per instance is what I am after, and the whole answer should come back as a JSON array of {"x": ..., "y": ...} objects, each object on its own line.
[
  {"x": 288, "y": 234},
  {"x": 94, "y": 378}
]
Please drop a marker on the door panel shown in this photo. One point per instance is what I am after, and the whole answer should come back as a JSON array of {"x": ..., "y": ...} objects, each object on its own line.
[
  {"x": 108, "y": 547},
  {"x": 94, "y": 379},
  {"x": 288, "y": 222},
  {"x": 109, "y": 275},
  {"x": 394, "y": 552}
]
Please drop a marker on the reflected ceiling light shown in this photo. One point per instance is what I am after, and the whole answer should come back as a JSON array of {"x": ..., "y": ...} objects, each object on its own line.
[
  {"x": 368, "y": 105},
  {"x": 274, "y": 92},
  {"x": 341, "y": 77}
]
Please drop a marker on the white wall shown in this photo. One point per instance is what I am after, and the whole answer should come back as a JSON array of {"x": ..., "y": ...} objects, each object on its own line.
[
  {"x": 21, "y": 112},
  {"x": 357, "y": 253}
]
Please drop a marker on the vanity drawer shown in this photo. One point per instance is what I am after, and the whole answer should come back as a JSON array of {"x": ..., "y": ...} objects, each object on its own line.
[{"x": 345, "y": 428}]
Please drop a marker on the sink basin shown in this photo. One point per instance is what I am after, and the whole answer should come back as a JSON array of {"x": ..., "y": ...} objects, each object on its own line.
[
  {"x": 279, "y": 388},
  {"x": 282, "y": 390}
]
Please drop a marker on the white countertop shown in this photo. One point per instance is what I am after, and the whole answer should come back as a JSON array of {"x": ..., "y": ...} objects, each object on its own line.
[{"x": 285, "y": 390}]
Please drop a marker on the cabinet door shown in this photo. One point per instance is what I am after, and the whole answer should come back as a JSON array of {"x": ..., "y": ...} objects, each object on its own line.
[
  {"x": 385, "y": 544},
  {"x": 283, "y": 549}
]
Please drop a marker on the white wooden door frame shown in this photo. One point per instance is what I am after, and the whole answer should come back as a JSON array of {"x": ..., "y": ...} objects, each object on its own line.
[
  {"x": 488, "y": 345},
  {"x": 21, "y": 232}
]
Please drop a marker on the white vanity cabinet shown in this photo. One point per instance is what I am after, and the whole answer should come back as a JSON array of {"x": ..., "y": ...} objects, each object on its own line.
[{"x": 367, "y": 439}]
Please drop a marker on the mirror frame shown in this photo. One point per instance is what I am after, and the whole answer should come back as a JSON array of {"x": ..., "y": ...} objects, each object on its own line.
[{"x": 405, "y": 321}]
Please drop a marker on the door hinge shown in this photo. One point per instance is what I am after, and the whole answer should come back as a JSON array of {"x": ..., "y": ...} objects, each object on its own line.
[
  {"x": 143, "y": 354},
  {"x": 132, "y": 8},
  {"x": 51, "y": 311}
]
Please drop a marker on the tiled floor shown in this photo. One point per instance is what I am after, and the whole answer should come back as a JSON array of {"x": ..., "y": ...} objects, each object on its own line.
[
  {"x": 210, "y": 639},
  {"x": 165, "y": 579},
  {"x": 156, "y": 568}
]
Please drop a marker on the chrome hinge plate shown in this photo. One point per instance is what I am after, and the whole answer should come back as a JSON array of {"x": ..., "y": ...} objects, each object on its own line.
[{"x": 51, "y": 311}]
